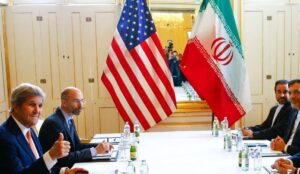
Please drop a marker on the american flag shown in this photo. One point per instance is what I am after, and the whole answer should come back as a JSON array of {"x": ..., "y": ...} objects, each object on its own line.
[{"x": 136, "y": 74}]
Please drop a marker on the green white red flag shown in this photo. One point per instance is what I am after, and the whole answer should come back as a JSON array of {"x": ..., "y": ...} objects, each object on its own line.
[{"x": 214, "y": 64}]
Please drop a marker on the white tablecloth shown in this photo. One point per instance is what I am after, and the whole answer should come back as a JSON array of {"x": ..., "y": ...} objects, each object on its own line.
[{"x": 188, "y": 152}]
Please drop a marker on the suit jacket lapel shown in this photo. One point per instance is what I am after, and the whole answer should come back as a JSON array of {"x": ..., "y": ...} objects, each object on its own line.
[
  {"x": 291, "y": 126},
  {"x": 65, "y": 127},
  {"x": 282, "y": 111},
  {"x": 20, "y": 137},
  {"x": 273, "y": 111},
  {"x": 36, "y": 142}
]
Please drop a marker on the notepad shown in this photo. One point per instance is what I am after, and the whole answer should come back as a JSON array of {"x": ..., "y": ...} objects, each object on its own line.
[
  {"x": 112, "y": 139},
  {"x": 256, "y": 144},
  {"x": 273, "y": 154},
  {"x": 112, "y": 155}
]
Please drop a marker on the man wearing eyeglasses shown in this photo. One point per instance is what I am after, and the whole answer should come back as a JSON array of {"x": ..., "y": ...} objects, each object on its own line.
[
  {"x": 276, "y": 122},
  {"x": 62, "y": 121},
  {"x": 290, "y": 143}
]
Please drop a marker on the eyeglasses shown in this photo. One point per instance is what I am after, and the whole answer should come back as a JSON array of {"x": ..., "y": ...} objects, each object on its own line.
[
  {"x": 295, "y": 92},
  {"x": 82, "y": 101}
]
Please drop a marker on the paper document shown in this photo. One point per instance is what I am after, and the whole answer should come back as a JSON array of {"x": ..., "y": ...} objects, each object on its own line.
[
  {"x": 253, "y": 143},
  {"x": 107, "y": 156}
]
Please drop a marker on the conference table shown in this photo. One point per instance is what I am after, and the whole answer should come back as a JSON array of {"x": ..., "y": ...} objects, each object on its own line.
[{"x": 180, "y": 152}]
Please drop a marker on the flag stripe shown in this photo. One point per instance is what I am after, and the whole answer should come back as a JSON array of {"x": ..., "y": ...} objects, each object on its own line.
[
  {"x": 160, "y": 74},
  {"x": 138, "y": 105},
  {"x": 220, "y": 99},
  {"x": 132, "y": 102},
  {"x": 213, "y": 62},
  {"x": 136, "y": 84},
  {"x": 167, "y": 79},
  {"x": 118, "y": 100},
  {"x": 163, "y": 64},
  {"x": 218, "y": 73},
  {"x": 145, "y": 76},
  {"x": 150, "y": 74},
  {"x": 148, "y": 78},
  {"x": 130, "y": 57}
]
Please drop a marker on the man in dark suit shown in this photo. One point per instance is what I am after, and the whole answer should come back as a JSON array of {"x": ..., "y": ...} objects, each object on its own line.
[
  {"x": 276, "y": 122},
  {"x": 291, "y": 141},
  {"x": 21, "y": 152},
  {"x": 62, "y": 121}
]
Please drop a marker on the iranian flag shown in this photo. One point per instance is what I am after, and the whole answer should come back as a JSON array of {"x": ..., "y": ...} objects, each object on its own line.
[{"x": 214, "y": 64}]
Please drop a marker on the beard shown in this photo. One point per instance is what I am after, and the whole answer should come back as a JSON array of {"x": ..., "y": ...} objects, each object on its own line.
[
  {"x": 76, "y": 111},
  {"x": 282, "y": 100}
]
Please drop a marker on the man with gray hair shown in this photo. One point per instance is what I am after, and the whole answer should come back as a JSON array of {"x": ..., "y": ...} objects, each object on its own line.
[{"x": 20, "y": 148}]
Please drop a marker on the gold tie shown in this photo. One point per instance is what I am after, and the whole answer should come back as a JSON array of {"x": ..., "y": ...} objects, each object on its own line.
[{"x": 31, "y": 144}]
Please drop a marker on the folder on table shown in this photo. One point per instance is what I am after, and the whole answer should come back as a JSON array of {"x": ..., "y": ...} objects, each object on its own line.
[{"x": 111, "y": 156}]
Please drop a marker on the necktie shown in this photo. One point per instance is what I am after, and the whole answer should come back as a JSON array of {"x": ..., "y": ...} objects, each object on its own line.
[
  {"x": 71, "y": 128},
  {"x": 31, "y": 144}
]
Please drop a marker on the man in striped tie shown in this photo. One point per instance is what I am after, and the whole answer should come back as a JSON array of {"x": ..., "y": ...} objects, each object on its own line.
[{"x": 20, "y": 148}]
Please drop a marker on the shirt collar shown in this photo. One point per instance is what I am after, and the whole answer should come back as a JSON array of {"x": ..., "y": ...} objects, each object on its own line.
[
  {"x": 21, "y": 126},
  {"x": 66, "y": 115}
]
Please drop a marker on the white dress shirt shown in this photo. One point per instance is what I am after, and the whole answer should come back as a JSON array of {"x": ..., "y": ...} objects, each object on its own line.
[{"x": 279, "y": 107}]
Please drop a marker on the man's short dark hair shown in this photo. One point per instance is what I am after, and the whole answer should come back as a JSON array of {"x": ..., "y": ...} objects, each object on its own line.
[
  {"x": 293, "y": 82},
  {"x": 280, "y": 82}
]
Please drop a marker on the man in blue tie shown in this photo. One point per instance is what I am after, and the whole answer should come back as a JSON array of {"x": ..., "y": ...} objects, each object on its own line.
[
  {"x": 62, "y": 121},
  {"x": 21, "y": 152}
]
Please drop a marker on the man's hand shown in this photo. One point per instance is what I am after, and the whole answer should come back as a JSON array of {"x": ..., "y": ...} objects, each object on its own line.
[
  {"x": 247, "y": 132},
  {"x": 278, "y": 144},
  {"x": 60, "y": 148},
  {"x": 282, "y": 167},
  {"x": 76, "y": 171},
  {"x": 103, "y": 147},
  {"x": 283, "y": 161}
]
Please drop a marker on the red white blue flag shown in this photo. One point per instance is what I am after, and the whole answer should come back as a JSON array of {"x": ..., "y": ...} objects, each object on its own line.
[{"x": 136, "y": 73}]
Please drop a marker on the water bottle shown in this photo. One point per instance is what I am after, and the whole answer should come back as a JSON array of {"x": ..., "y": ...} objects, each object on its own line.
[
  {"x": 245, "y": 159},
  {"x": 122, "y": 149},
  {"x": 215, "y": 128},
  {"x": 239, "y": 140},
  {"x": 137, "y": 131},
  {"x": 144, "y": 169},
  {"x": 227, "y": 141},
  {"x": 130, "y": 168},
  {"x": 127, "y": 132},
  {"x": 224, "y": 125},
  {"x": 257, "y": 159}
]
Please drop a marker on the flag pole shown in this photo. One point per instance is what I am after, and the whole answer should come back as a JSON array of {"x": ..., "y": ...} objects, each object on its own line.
[
  {"x": 148, "y": 2},
  {"x": 212, "y": 119}
]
